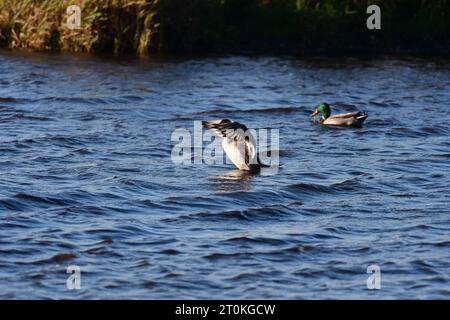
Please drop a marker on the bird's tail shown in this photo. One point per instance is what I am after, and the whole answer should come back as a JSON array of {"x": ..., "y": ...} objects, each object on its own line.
[{"x": 361, "y": 116}]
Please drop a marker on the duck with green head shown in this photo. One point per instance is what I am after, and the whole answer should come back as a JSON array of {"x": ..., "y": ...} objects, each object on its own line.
[{"x": 352, "y": 119}]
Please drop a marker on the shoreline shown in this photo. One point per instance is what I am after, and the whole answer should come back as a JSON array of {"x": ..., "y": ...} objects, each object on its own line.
[
  {"x": 221, "y": 27},
  {"x": 361, "y": 54}
]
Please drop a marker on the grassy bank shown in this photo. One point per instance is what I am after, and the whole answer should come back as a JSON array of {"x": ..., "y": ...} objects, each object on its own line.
[{"x": 146, "y": 27}]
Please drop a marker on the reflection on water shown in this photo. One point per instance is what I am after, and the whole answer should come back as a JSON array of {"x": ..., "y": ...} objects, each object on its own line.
[
  {"x": 86, "y": 179},
  {"x": 235, "y": 180}
]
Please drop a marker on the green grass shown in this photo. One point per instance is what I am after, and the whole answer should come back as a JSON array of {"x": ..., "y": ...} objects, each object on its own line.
[{"x": 148, "y": 27}]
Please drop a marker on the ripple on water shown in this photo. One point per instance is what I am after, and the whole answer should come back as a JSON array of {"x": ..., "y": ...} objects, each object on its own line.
[{"x": 86, "y": 178}]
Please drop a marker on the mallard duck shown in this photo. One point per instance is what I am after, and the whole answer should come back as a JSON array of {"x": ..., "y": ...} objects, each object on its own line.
[
  {"x": 238, "y": 143},
  {"x": 352, "y": 119}
]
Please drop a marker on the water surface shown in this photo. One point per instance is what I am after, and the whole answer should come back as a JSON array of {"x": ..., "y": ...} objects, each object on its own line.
[{"x": 86, "y": 179}]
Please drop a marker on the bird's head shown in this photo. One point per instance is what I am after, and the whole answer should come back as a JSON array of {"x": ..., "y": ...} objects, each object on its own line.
[{"x": 322, "y": 108}]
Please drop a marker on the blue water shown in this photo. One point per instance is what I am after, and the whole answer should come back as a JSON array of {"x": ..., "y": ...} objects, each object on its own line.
[{"x": 86, "y": 179}]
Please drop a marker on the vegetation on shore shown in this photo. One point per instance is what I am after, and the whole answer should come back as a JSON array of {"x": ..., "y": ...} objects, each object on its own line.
[{"x": 149, "y": 27}]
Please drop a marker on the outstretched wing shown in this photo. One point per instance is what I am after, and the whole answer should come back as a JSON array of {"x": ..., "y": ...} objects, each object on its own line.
[
  {"x": 239, "y": 144},
  {"x": 222, "y": 127}
]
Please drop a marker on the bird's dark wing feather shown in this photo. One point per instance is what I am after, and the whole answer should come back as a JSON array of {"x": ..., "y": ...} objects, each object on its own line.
[{"x": 226, "y": 128}]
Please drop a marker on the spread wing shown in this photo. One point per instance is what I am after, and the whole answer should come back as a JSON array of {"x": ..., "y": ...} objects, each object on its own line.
[
  {"x": 220, "y": 127},
  {"x": 239, "y": 144}
]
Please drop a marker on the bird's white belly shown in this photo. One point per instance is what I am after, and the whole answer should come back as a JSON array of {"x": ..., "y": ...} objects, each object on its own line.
[{"x": 236, "y": 152}]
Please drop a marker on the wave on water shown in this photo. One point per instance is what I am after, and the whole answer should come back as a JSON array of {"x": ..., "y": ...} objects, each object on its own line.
[
  {"x": 261, "y": 110},
  {"x": 87, "y": 179}
]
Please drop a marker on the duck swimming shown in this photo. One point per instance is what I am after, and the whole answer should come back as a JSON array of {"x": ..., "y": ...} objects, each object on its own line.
[
  {"x": 238, "y": 143},
  {"x": 352, "y": 119}
]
